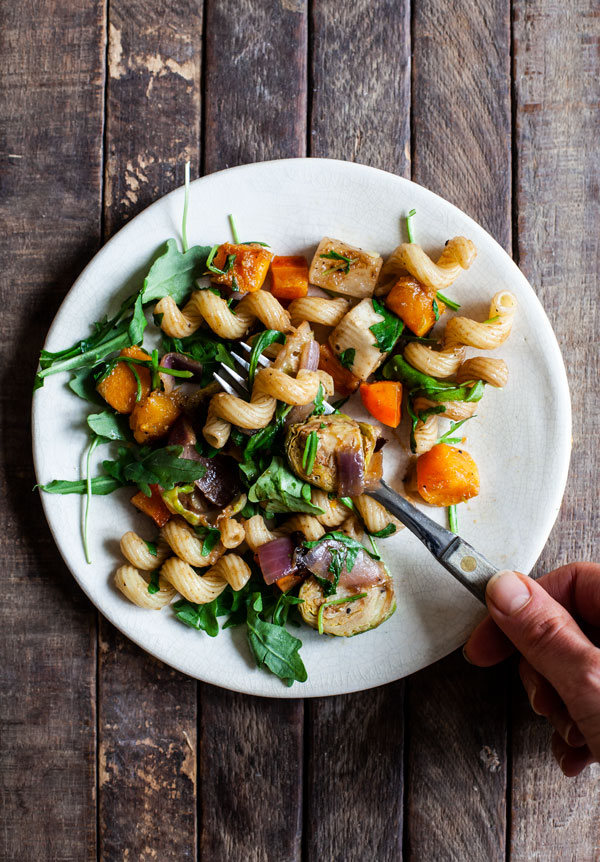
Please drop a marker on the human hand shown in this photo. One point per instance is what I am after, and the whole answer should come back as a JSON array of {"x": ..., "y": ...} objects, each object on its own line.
[{"x": 554, "y": 623}]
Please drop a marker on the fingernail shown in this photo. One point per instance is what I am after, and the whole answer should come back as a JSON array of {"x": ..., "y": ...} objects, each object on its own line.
[
  {"x": 561, "y": 761},
  {"x": 508, "y": 592},
  {"x": 465, "y": 656},
  {"x": 531, "y": 693},
  {"x": 573, "y": 736}
]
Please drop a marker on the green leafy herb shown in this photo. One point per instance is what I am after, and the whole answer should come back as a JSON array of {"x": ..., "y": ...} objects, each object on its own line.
[
  {"x": 388, "y": 331},
  {"x": 448, "y": 438},
  {"x": 88, "y": 496},
  {"x": 87, "y": 358},
  {"x": 109, "y": 425},
  {"x": 83, "y": 384},
  {"x": 285, "y": 603},
  {"x": 347, "y": 357},
  {"x": 397, "y": 368},
  {"x": 210, "y": 536},
  {"x": 452, "y": 519},
  {"x": 201, "y": 617},
  {"x": 234, "y": 232},
  {"x": 449, "y": 302},
  {"x": 340, "y": 557},
  {"x": 174, "y": 273},
  {"x": 153, "y": 584},
  {"x": 144, "y": 467},
  {"x": 273, "y": 646},
  {"x": 341, "y": 601},
  {"x": 347, "y": 501},
  {"x": 282, "y": 491},
  {"x": 436, "y": 310},
  {"x": 186, "y": 201},
  {"x": 319, "y": 401},
  {"x": 310, "y": 452},
  {"x": 100, "y": 486},
  {"x": 409, "y": 229},
  {"x": 342, "y": 259},
  {"x": 465, "y": 392},
  {"x": 261, "y": 342},
  {"x": 385, "y": 532},
  {"x": 492, "y": 319},
  {"x": 422, "y": 417},
  {"x": 209, "y": 261}
]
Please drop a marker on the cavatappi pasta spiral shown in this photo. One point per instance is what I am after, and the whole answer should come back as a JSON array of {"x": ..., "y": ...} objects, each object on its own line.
[
  {"x": 134, "y": 586},
  {"x": 374, "y": 516},
  {"x": 489, "y": 334},
  {"x": 455, "y": 410},
  {"x": 436, "y": 363},
  {"x": 137, "y": 552},
  {"x": 184, "y": 542},
  {"x": 458, "y": 254},
  {"x": 334, "y": 512},
  {"x": 426, "y": 434},
  {"x": 319, "y": 309},
  {"x": 492, "y": 371}
]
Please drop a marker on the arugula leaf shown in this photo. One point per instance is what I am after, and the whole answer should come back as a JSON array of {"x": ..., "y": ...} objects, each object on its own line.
[
  {"x": 340, "y": 557},
  {"x": 101, "y": 486},
  {"x": 385, "y": 532},
  {"x": 186, "y": 203},
  {"x": 83, "y": 384},
  {"x": 201, "y": 617},
  {"x": 346, "y": 357},
  {"x": 174, "y": 272},
  {"x": 234, "y": 232},
  {"x": 397, "y": 368},
  {"x": 448, "y": 438},
  {"x": 388, "y": 331},
  {"x": 452, "y": 519},
  {"x": 260, "y": 343},
  {"x": 282, "y": 491},
  {"x": 455, "y": 393},
  {"x": 211, "y": 537},
  {"x": 138, "y": 322},
  {"x": 152, "y": 548},
  {"x": 109, "y": 425},
  {"x": 409, "y": 229},
  {"x": 432, "y": 411},
  {"x": 273, "y": 646},
  {"x": 285, "y": 603},
  {"x": 144, "y": 467},
  {"x": 436, "y": 310},
  {"x": 153, "y": 585},
  {"x": 89, "y": 357}
]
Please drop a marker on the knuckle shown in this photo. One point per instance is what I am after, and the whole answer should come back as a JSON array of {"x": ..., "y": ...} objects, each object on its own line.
[{"x": 545, "y": 631}]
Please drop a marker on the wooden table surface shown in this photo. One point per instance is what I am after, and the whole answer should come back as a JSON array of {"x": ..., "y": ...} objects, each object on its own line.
[{"x": 107, "y": 754}]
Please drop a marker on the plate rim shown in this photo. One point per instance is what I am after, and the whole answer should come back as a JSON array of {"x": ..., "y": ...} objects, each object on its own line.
[{"x": 559, "y": 370}]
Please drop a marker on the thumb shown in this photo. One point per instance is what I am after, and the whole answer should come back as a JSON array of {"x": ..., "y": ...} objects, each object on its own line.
[{"x": 550, "y": 639}]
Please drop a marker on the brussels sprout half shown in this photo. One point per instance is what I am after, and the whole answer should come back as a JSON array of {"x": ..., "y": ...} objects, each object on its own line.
[{"x": 348, "y": 618}]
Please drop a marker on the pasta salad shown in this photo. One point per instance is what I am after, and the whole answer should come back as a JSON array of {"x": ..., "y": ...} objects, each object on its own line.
[{"x": 258, "y": 497}]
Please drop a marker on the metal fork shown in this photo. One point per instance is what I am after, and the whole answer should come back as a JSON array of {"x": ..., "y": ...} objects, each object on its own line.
[
  {"x": 467, "y": 565},
  {"x": 237, "y": 384}
]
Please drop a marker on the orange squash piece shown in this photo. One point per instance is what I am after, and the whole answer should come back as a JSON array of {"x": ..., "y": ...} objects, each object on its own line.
[
  {"x": 119, "y": 388},
  {"x": 249, "y": 269},
  {"x": 153, "y": 417},
  {"x": 152, "y": 506},
  {"x": 413, "y": 303},
  {"x": 383, "y": 400},
  {"x": 290, "y": 277},
  {"x": 288, "y": 582},
  {"x": 344, "y": 380},
  {"x": 446, "y": 476}
]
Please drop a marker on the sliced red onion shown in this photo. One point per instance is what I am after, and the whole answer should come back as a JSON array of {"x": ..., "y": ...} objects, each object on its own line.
[
  {"x": 179, "y": 362},
  {"x": 182, "y": 434},
  {"x": 275, "y": 559},
  {"x": 309, "y": 359},
  {"x": 364, "y": 572},
  {"x": 351, "y": 472},
  {"x": 309, "y": 356}
]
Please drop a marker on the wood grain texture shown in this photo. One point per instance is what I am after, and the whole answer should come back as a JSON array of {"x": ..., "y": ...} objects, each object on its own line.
[
  {"x": 354, "y": 783},
  {"x": 251, "y": 748},
  {"x": 147, "y": 712},
  {"x": 51, "y": 96},
  {"x": 461, "y": 112},
  {"x": 557, "y": 90},
  {"x": 250, "y": 778},
  {"x": 153, "y": 102},
  {"x": 255, "y": 107},
  {"x": 360, "y": 76},
  {"x": 457, "y": 716}
]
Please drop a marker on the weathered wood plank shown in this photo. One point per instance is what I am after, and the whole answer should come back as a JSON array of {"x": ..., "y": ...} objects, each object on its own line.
[
  {"x": 255, "y": 107},
  {"x": 147, "y": 712},
  {"x": 360, "y": 77},
  {"x": 51, "y": 98},
  {"x": 557, "y": 89},
  {"x": 251, "y": 749},
  {"x": 457, "y": 715},
  {"x": 361, "y": 112}
]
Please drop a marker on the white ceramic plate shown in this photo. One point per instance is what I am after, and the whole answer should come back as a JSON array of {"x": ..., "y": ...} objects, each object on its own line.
[{"x": 520, "y": 439}]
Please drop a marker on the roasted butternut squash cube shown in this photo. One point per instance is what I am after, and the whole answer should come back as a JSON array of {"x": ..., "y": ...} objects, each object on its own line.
[
  {"x": 152, "y": 506},
  {"x": 289, "y": 274},
  {"x": 345, "y": 381},
  {"x": 344, "y": 268},
  {"x": 244, "y": 266},
  {"x": 447, "y": 476},
  {"x": 153, "y": 417},
  {"x": 414, "y": 304},
  {"x": 120, "y": 388}
]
